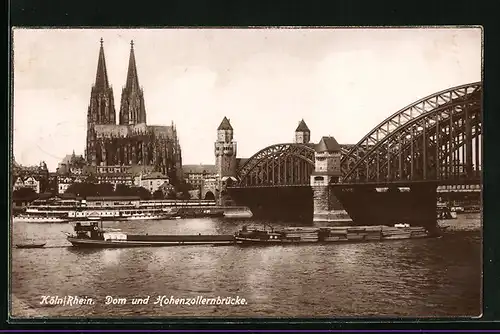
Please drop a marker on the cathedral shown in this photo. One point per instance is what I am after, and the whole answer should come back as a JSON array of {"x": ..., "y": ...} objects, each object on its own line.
[{"x": 131, "y": 142}]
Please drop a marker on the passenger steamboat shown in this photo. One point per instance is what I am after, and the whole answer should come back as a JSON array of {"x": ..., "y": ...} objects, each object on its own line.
[{"x": 61, "y": 211}]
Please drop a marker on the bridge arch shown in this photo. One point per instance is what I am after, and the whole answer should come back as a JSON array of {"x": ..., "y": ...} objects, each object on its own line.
[
  {"x": 435, "y": 138},
  {"x": 279, "y": 164}
]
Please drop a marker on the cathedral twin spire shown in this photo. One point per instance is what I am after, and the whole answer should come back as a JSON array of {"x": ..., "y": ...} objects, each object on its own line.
[
  {"x": 132, "y": 109},
  {"x": 101, "y": 80}
]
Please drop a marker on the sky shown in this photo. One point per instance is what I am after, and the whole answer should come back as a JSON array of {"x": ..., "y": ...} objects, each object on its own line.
[{"x": 342, "y": 82}]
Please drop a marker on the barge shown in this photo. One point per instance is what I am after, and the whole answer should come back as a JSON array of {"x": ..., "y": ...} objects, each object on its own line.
[
  {"x": 91, "y": 235},
  {"x": 323, "y": 235}
]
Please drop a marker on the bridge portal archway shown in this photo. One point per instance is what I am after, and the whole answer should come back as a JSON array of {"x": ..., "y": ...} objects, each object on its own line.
[{"x": 209, "y": 196}]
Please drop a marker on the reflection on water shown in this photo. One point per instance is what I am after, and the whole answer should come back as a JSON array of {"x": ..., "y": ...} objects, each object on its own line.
[{"x": 427, "y": 277}]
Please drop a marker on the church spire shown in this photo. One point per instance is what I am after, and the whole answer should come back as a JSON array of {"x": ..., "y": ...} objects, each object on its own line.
[
  {"x": 132, "y": 109},
  {"x": 101, "y": 80},
  {"x": 101, "y": 108},
  {"x": 132, "y": 79}
]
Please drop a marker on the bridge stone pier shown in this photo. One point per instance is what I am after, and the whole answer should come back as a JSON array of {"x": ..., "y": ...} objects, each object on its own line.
[{"x": 326, "y": 206}]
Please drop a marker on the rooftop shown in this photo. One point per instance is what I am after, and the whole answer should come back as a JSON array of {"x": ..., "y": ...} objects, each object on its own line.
[
  {"x": 113, "y": 198},
  {"x": 198, "y": 169},
  {"x": 302, "y": 127},
  {"x": 225, "y": 124},
  {"x": 328, "y": 144},
  {"x": 154, "y": 176}
]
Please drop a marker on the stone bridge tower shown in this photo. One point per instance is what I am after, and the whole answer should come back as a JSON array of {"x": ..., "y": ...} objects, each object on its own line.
[
  {"x": 302, "y": 133},
  {"x": 326, "y": 171},
  {"x": 225, "y": 161}
]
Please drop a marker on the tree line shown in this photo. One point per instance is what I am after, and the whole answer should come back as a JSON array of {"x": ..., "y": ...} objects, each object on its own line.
[{"x": 87, "y": 189}]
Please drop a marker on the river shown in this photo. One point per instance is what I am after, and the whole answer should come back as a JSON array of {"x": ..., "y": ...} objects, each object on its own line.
[{"x": 405, "y": 278}]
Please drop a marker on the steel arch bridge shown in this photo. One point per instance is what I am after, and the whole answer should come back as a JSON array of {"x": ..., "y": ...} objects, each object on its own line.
[
  {"x": 278, "y": 165},
  {"x": 437, "y": 138}
]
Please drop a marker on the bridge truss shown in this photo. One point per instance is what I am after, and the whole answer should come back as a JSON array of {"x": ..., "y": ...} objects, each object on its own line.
[
  {"x": 435, "y": 138},
  {"x": 278, "y": 165}
]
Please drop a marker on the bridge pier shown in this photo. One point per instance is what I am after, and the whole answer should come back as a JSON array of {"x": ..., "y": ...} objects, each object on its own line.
[
  {"x": 389, "y": 205},
  {"x": 289, "y": 204},
  {"x": 326, "y": 206}
]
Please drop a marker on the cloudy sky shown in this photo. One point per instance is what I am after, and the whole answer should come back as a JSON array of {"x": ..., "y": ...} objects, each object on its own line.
[{"x": 343, "y": 82}]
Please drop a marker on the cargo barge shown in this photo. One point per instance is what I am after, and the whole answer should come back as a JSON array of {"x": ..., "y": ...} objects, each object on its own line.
[
  {"x": 341, "y": 234},
  {"x": 91, "y": 235}
]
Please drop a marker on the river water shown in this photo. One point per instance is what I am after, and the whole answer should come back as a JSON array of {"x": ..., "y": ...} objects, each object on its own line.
[{"x": 406, "y": 278}]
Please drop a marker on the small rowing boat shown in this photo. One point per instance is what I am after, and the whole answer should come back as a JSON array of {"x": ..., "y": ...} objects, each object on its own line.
[{"x": 31, "y": 245}]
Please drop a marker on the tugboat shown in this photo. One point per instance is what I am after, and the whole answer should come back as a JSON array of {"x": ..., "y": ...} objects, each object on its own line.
[
  {"x": 91, "y": 235},
  {"x": 263, "y": 236}
]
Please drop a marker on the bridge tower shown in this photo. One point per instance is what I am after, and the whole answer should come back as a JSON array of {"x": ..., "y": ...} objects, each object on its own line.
[
  {"x": 225, "y": 160},
  {"x": 327, "y": 170},
  {"x": 302, "y": 133}
]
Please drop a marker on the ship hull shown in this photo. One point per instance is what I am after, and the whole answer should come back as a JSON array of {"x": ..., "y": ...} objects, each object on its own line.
[
  {"x": 39, "y": 220},
  {"x": 90, "y": 243},
  {"x": 257, "y": 242}
]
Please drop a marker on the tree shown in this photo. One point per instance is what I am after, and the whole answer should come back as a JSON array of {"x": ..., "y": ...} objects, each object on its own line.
[
  {"x": 158, "y": 194},
  {"x": 24, "y": 194},
  {"x": 185, "y": 195},
  {"x": 91, "y": 179},
  {"x": 141, "y": 192},
  {"x": 83, "y": 189},
  {"x": 105, "y": 189},
  {"x": 183, "y": 186},
  {"x": 123, "y": 190},
  {"x": 171, "y": 195}
]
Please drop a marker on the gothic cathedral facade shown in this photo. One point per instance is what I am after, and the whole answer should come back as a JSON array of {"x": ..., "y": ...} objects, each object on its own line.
[{"x": 131, "y": 141}]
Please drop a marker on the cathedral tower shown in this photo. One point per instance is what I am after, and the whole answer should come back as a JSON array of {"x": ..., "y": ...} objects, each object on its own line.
[
  {"x": 101, "y": 108},
  {"x": 132, "y": 109},
  {"x": 225, "y": 150},
  {"x": 302, "y": 133}
]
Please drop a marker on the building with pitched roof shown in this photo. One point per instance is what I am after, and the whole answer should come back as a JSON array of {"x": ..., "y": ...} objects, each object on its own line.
[
  {"x": 32, "y": 182},
  {"x": 153, "y": 181},
  {"x": 196, "y": 174},
  {"x": 131, "y": 141},
  {"x": 34, "y": 177}
]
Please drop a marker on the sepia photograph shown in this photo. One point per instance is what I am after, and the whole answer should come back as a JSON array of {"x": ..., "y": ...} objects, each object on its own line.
[{"x": 257, "y": 172}]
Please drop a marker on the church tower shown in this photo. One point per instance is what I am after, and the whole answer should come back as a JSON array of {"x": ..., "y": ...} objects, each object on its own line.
[
  {"x": 132, "y": 109},
  {"x": 302, "y": 133},
  {"x": 101, "y": 108},
  {"x": 225, "y": 150}
]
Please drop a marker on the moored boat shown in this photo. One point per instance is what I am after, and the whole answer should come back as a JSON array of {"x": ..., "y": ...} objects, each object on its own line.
[
  {"x": 91, "y": 235},
  {"x": 39, "y": 219},
  {"x": 31, "y": 245},
  {"x": 147, "y": 216},
  {"x": 238, "y": 214},
  {"x": 340, "y": 234}
]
